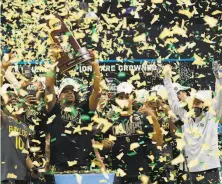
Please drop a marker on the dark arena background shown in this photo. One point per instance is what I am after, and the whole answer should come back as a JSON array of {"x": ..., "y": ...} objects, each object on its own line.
[{"x": 132, "y": 39}]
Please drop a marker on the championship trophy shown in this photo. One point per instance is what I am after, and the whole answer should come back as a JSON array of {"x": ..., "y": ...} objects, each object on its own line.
[{"x": 72, "y": 53}]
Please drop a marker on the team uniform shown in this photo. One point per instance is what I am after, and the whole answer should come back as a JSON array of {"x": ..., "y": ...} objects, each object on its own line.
[
  {"x": 34, "y": 117},
  {"x": 129, "y": 130},
  {"x": 13, "y": 156},
  {"x": 68, "y": 141}
]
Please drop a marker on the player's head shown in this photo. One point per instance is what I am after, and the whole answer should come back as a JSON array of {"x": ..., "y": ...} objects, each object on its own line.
[
  {"x": 182, "y": 91},
  {"x": 124, "y": 90},
  {"x": 68, "y": 92},
  {"x": 198, "y": 104}
]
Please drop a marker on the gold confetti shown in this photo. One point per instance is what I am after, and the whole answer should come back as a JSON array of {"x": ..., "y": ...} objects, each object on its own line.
[
  {"x": 120, "y": 173},
  {"x": 149, "y": 118},
  {"x": 180, "y": 144},
  {"x": 13, "y": 134},
  {"x": 187, "y": 13},
  {"x": 120, "y": 156},
  {"x": 177, "y": 160},
  {"x": 198, "y": 60},
  {"x": 68, "y": 131},
  {"x": 112, "y": 138},
  {"x": 193, "y": 163},
  {"x": 35, "y": 149},
  {"x": 134, "y": 145},
  {"x": 212, "y": 22},
  {"x": 11, "y": 176},
  {"x": 156, "y": 1},
  {"x": 36, "y": 163},
  {"x": 216, "y": 12},
  {"x": 50, "y": 119},
  {"x": 184, "y": 177},
  {"x": 144, "y": 179},
  {"x": 72, "y": 163},
  {"x": 49, "y": 97},
  {"x": 103, "y": 181},
  {"x": 140, "y": 38},
  {"x": 98, "y": 146},
  {"x": 199, "y": 177},
  {"x": 36, "y": 141},
  {"x": 155, "y": 18}
]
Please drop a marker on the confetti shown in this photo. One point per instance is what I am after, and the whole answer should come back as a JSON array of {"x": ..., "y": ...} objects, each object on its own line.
[
  {"x": 35, "y": 149},
  {"x": 177, "y": 160},
  {"x": 199, "y": 178},
  {"x": 98, "y": 146},
  {"x": 72, "y": 163},
  {"x": 49, "y": 97},
  {"x": 50, "y": 119},
  {"x": 36, "y": 141},
  {"x": 193, "y": 163},
  {"x": 11, "y": 176},
  {"x": 13, "y": 134},
  {"x": 156, "y": 1},
  {"x": 212, "y": 22},
  {"x": 140, "y": 38},
  {"x": 144, "y": 179},
  {"x": 120, "y": 173},
  {"x": 120, "y": 156}
]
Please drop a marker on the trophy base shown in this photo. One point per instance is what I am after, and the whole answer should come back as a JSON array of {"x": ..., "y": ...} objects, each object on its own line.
[{"x": 83, "y": 57}]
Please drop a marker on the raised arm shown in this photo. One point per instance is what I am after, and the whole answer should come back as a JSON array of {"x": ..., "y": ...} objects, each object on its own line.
[
  {"x": 11, "y": 78},
  {"x": 51, "y": 78},
  {"x": 157, "y": 133},
  {"x": 6, "y": 62},
  {"x": 172, "y": 96},
  {"x": 94, "y": 97},
  {"x": 217, "y": 101}
]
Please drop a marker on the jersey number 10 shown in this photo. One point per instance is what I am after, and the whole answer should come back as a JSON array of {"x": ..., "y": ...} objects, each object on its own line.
[{"x": 19, "y": 143}]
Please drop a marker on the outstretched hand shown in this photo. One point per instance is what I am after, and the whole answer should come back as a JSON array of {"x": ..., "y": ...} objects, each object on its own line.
[
  {"x": 94, "y": 62},
  {"x": 54, "y": 52},
  {"x": 167, "y": 71},
  {"x": 7, "y": 60},
  {"x": 145, "y": 109}
]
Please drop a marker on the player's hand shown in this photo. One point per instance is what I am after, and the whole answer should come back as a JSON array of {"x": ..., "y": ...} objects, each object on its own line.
[
  {"x": 147, "y": 110},
  {"x": 107, "y": 143},
  {"x": 35, "y": 173},
  {"x": 54, "y": 52},
  {"x": 94, "y": 62},
  {"x": 167, "y": 71},
  {"x": 47, "y": 166},
  {"x": 7, "y": 60}
]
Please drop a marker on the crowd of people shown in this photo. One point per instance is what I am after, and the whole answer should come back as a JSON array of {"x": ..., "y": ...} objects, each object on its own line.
[{"x": 163, "y": 135}]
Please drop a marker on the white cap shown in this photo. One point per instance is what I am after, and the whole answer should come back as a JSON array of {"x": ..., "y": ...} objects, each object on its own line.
[
  {"x": 142, "y": 95},
  {"x": 177, "y": 87},
  {"x": 69, "y": 82},
  {"x": 199, "y": 96},
  {"x": 91, "y": 15},
  {"x": 125, "y": 87},
  {"x": 161, "y": 91}
]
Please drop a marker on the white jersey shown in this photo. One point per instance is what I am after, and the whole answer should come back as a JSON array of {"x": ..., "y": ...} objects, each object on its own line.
[{"x": 200, "y": 134}]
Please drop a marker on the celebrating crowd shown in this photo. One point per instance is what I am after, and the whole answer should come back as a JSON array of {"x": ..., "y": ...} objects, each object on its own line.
[{"x": 168, "y": 134}]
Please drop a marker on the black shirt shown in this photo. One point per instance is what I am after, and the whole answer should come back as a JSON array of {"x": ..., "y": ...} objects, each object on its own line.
[
  {"x": 68, "y": 143},
  {"x": 128, "y": 130},
  {"x": 35, "y": 117},
  {"x": 13, "y": 159}
]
